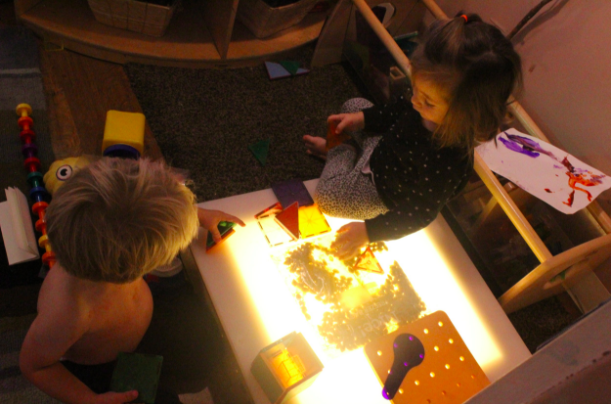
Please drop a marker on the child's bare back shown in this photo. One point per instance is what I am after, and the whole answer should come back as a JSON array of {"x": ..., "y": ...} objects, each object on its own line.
[{"x": 116, "y": 316}]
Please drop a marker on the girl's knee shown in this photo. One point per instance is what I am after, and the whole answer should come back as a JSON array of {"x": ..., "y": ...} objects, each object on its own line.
[
  {"x": 326, "y": 197},
  {"x": 355, "y": 105}
]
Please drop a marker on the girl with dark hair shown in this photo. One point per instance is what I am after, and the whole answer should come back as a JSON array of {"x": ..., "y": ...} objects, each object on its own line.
[{"x": 406, "y": 160}]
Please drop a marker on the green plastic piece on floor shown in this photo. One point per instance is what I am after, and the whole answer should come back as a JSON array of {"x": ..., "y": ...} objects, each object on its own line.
[
  {"x": 291, "y": 66},
  {"x": 260, "y": 150},
  {"x": 140, "y": 372}
]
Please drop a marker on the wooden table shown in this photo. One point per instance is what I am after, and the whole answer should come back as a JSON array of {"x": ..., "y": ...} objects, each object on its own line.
[{"x": 255, "y": 307}]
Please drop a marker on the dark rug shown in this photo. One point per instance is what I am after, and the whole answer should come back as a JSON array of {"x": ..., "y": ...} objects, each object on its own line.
[
  {"x": 541, "y": 321},
  {"x": 204, "y": 120}
]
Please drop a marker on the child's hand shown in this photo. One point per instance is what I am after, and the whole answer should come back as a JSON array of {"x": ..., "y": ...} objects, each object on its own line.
[
  {"x": 209, "y": 219},
  {"x": 116, "y": 398},
  {"x": 351, "y": 237},
  {"x": 350, "y": 122}
]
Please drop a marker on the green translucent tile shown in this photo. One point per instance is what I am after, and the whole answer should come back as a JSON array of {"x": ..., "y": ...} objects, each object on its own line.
[{"x": 260, "y": 150}]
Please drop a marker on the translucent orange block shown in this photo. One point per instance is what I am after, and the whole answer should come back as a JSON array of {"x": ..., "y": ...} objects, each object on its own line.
[
  {"x": 368, "y": 262},
  {"x": 286, "y": 367},
  {"x": 334, "y": 139},
  {"x": 447, "y": 374}
]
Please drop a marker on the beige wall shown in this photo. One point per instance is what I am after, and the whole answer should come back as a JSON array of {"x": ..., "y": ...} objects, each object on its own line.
[{"x": 566, "y": 63}]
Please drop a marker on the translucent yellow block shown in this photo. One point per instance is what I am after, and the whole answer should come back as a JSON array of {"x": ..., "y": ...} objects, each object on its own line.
[
  {"x": 311, "y": 221},
  {"x": 124, "y": 128}
]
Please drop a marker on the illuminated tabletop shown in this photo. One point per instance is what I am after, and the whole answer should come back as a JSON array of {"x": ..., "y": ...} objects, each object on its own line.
[{"x": 256, "y": 308}]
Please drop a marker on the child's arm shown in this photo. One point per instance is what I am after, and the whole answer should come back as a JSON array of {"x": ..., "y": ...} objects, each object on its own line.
[
  {"x": 379, "y": 118},
  {"x": 350, "y": 122},
  {"x": 53, "y": 332},
  {"x": 400, "y": 222},
  {"x": 351, "y": 237},
  {"x": 209, "y": 219}
]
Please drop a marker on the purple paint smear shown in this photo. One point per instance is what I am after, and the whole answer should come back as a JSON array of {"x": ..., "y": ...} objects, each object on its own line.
[
  {"x": 576, "y": 175},
  {"x": 518, "y": 148},
  {"x": 523, "y": 145}
]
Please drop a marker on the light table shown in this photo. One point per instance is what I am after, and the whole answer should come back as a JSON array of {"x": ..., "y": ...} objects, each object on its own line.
[{"x": 255, "y": 306}]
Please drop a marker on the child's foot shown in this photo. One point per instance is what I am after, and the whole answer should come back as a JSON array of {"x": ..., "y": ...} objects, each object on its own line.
[{"x": 315, "y": 146}]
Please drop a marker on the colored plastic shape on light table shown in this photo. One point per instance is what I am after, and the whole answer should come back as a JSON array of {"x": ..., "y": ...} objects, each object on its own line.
[
  {"x": 368, "y": 262},
  {"x": 290, "y": 191},
  {"x": 312, "y": 221},
  {"x": 270, "y": 210},
  {"x": 273, "y": 232},
  {"x": 226, "y": 229},
  {"x": 288, "y": 219}
]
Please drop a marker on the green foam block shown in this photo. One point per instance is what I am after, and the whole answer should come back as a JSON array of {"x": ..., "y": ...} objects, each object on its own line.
[{"x": 140, "y": 372}]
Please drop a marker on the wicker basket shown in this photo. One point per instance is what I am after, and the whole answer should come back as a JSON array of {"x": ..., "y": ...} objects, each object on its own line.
[
  {"x": 137, "y": 16},
  {"x": 263, "y": 20}
]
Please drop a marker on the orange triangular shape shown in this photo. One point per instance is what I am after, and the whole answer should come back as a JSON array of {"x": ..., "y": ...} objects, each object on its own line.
[
  {"x": 368, "y": 262},
  {"x": 288, "y": 219}
]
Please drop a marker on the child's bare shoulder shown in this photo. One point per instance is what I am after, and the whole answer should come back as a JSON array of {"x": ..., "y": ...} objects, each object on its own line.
[
  {"x": 61, "y": 321},
  {"x": 61, "y": 296}
]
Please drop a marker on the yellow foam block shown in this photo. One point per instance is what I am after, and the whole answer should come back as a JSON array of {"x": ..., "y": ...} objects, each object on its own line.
[{"x": 124, "y": 128}]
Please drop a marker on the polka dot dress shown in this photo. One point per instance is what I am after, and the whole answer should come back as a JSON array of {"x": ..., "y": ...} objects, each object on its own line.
[{"x": 413, "y": 178}]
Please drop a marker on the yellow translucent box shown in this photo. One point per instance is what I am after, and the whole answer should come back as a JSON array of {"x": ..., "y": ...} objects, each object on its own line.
[
  {"x": 124, "y": 128},
  {"x": 286, "y": 367}
]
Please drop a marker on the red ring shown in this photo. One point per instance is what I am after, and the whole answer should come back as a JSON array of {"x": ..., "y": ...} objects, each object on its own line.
[
  {"x": 39, "y": 207},
  {"x": 32, "y": 161},
  {"x": 49, "y": 259},
  {"x": 27, "y": 134},
  {"x": 25, "y": 122}
]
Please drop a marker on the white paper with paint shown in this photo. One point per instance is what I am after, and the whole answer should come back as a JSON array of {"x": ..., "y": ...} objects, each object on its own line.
[
  {"x": 545, "y": 171},
  {"x": 17, "y": 229}
]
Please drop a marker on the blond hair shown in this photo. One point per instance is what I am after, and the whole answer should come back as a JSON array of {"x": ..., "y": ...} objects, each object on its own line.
[{"x": 117, "y": 219}]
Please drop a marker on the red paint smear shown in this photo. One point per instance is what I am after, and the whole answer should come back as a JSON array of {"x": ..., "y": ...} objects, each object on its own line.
[
  {"x": 570, "y": 200},
  {"x": 574, "y": 180},
  {"x": 548, "y": 190}
]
